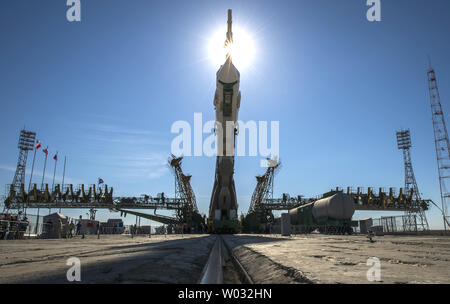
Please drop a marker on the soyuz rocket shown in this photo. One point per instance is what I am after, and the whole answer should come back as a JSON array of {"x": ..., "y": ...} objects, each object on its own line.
[{"x": 227, "y": 98}]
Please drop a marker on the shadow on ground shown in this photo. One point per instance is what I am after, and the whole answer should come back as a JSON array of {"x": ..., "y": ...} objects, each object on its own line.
[{"x": 177, "y": 261}]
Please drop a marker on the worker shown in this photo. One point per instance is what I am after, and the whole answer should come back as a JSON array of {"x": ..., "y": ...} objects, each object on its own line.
[
  {"x": 78, "y": 228},
  {"x": 370, "y": 235},
  {"x": 71, "y": 228}
]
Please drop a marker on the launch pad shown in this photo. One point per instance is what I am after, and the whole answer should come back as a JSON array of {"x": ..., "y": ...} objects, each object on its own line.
[{"x": 319, "y": 238}]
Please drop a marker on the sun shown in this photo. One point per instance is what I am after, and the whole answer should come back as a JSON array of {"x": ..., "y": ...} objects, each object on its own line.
[{"x": 242, "y": 49}]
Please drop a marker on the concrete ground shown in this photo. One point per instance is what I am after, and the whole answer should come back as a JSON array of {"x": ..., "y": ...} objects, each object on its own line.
[
  {"x": 333, "y": 259},
  {"x": 110, "y": 259},
  {"x": 268, "y": 258}
]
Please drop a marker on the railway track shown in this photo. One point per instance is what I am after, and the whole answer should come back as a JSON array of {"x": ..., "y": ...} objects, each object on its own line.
[{"x": 223, "y": 267}]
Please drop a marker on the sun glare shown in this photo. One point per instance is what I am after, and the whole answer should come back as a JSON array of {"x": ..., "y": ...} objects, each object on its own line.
[{"x": 242, "y": 49}]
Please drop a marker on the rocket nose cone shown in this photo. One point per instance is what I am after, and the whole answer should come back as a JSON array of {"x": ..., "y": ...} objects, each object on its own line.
[{"x": 228, "y": 73}]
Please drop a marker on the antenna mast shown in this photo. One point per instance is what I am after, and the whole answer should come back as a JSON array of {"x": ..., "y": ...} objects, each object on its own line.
[{"x": 441, "y": 143}]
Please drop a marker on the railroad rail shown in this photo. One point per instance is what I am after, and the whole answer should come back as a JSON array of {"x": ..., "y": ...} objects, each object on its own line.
[{"x": 213, "y": 272}]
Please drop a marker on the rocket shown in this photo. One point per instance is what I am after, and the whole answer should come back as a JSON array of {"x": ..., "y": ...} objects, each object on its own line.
[{"x": 227, "y": 99}]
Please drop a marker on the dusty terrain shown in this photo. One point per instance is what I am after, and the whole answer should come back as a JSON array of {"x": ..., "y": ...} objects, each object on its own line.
[
  {"x": 343, "y": 259},
  {"x": 110, "y": 259}
]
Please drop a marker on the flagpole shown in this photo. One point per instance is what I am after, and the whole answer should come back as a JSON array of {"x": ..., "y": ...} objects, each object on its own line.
[
  {"x": 54, "y": 171},
  {"x": 43, "y": 173},
  {"x": 32, "y": 168},
  {"x": 29, "y": 186},
  {"x": 42, "y": 188},
  {"x": 62, "y": 185},
  {"x": 64, "y": 173}
]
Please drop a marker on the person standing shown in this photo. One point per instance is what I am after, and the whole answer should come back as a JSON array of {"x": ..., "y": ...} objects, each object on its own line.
[
  {"x": 78, "y": 228},
  {"x": 71, "y": 228}
]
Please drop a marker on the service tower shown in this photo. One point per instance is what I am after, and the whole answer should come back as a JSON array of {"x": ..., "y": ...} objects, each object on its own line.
[{"x": 227, "y": 98}]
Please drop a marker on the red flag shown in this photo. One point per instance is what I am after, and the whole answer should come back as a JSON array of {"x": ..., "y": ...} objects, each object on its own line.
[
  {"x": 45, "y": 151},
  {"x": 55, "y": 157},
  {"x": 38, "y": 145}
]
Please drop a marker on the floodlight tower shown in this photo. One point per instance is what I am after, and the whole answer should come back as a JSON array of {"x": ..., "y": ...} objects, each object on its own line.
[
  {"x": 442, "y": 144},
  {"x": 26, "y": 143},
  {"x": 415, "y": 210}
]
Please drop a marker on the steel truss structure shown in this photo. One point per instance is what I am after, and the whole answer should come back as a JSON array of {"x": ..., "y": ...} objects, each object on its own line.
[
  {"x": 183, "y": 191},
  {"x": 442, "y": 144},
  {"x": 263, "y": 192},
  {"x": 26, "y": 143},
  {"x": 414, "y": 211},
  {"x": 365, "y": 199},
  {"x": 94, "y": 198}
]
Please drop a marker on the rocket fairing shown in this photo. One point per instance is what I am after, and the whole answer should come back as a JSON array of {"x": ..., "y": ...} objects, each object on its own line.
[{"x": 227, "y": 99}]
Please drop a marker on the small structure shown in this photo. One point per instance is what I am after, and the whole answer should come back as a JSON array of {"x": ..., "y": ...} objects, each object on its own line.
[
  {"x": 12, "y": 226},
  {"x": 113, "y": 226},
  {"x": 160, "y": 230},
  {"x": 55, "y": 226},
  {"x": 143, "y": 229},
  {"x": 285, "y": 224},
  {"x": 365, "y": 224}
]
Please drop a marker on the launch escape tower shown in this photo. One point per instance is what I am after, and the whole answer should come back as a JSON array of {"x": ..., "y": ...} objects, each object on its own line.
[
  {"x": 415, "y": 212},
  {"x": 442, "y": 144}
]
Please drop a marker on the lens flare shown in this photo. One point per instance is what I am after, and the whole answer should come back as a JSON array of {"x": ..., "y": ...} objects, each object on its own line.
[{"x": 242, "y": 50}]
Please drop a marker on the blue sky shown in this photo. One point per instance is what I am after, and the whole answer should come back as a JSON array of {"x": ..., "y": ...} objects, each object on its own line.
[{"x": 105, "y": 91}]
